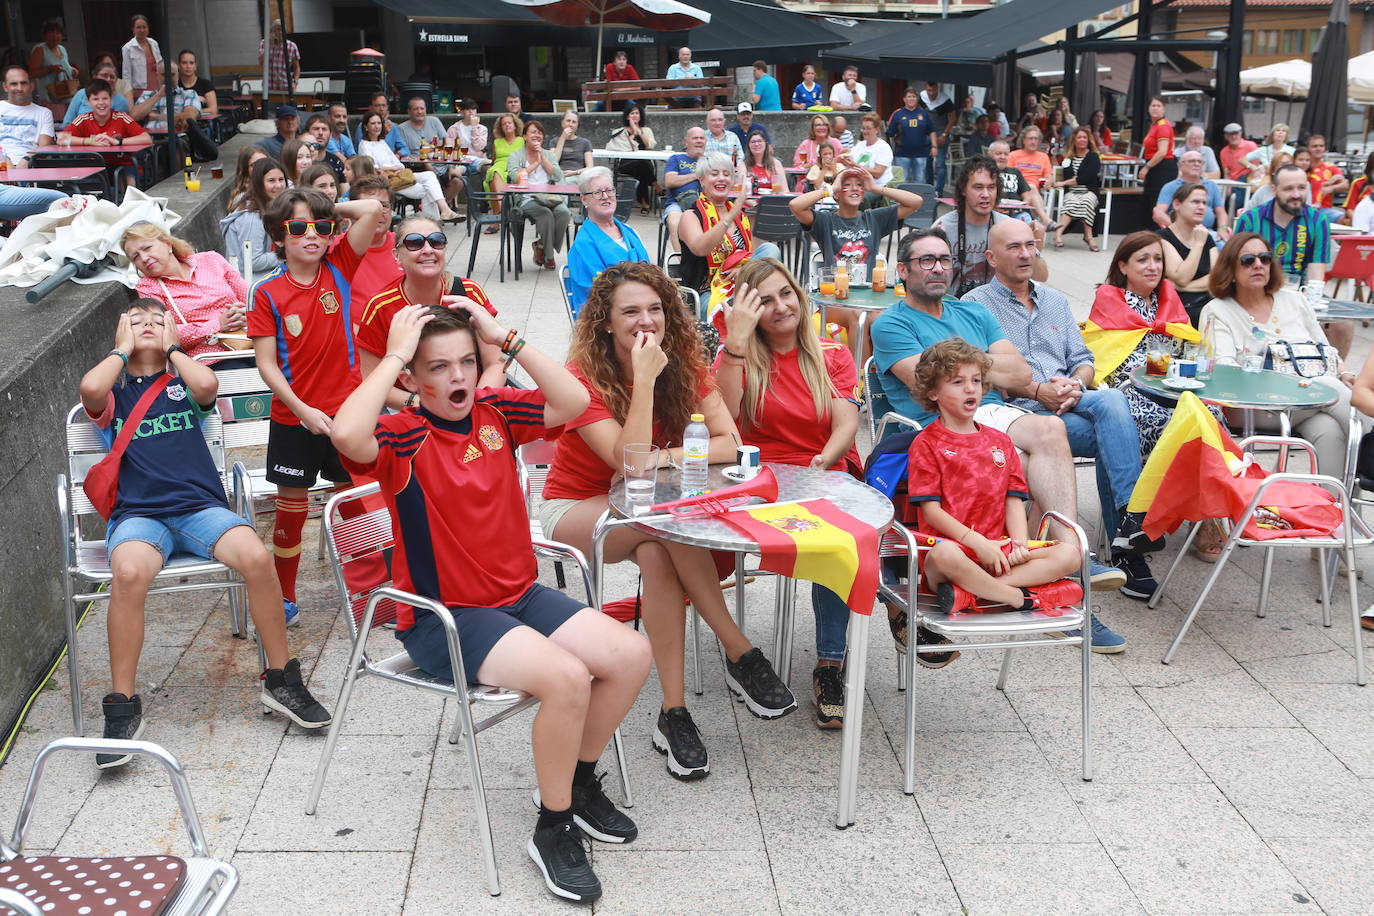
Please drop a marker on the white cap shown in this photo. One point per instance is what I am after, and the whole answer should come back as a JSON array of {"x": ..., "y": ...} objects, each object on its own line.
[{"x": 744, "y": 106}]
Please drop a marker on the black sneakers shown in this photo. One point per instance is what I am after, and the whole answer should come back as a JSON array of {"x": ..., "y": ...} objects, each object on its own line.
[
  {"x": 284, "y": 692},
  {"x": 677, "y": 738},
  {"x": 827, "y": 695},
  {"x": 561, "y": 854},
  {"x": 1140, "y": 581},
  {"x": 754, "y": 682},
  {"x": 927, "y": 637},
  {"x": 123, "y": 721},
  {"x": 597, "y": 815},
  {"x": 1131, "y": 536}
]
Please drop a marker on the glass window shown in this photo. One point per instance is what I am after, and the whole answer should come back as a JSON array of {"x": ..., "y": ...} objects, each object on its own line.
[
  {"x": 1247, "y": 42},
  {"x": 1294, "y": 41},
  {"x": 1267, "y": 41}
]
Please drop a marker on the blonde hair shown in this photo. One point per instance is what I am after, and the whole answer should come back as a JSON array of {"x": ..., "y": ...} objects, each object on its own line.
[
  {"x": 758, "y": 358},
  {"x": 151, "y": 232},
  {"x": 1287, "y": 133}
]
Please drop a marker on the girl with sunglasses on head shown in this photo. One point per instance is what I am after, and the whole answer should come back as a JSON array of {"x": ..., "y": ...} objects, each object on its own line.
[
  {"x": 421, "y": 249},
  {"x": 1250, "y": 311}
]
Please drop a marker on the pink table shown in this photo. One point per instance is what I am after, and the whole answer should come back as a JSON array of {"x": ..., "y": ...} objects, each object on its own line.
[{"x": 49, "y": 176}]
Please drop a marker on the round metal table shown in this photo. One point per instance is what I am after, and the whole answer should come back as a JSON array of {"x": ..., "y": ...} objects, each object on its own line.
[
  {"x": 1340, "y": 309},
  {"x": 1232, "y": 386},
  {"x": 863, "y": 300},
  {"x": 794, "y": 484}
]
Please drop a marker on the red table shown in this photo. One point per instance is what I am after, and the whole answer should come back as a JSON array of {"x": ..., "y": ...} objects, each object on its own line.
[{"x": 49, "y": 176}]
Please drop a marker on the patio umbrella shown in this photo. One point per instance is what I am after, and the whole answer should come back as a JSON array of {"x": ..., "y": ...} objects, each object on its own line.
[
  {"x": 1325, "y": 111},
  {"x": 1287, "y": 78},
  {"x": 660, "y": 15},
  {"x": 1085, "y": 93}
]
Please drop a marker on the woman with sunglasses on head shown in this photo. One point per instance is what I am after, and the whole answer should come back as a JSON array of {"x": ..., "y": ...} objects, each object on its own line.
[
  {"x": 202, "y": 292},
  {"x": 1250, "y": 311},
  {"x": 794, "y": 396},
  {"x": 604, "y": 240},
  {"x": 421, "y": 249},
  {"x": 637, "y": 351},
  {"x": 267, "y": 180},
  {"x": 548, "y": 212}
]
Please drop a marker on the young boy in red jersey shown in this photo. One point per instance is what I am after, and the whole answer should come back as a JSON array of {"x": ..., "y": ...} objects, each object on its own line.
[
  {"x": 966, "y": 483},
  {"x": 103, "y": 127},
  {"x": 171, "y": 501},
  {"x": 462, "y": 537},
  {"x": 301, "y": 324},
  {"x": 420, "y": 251}
]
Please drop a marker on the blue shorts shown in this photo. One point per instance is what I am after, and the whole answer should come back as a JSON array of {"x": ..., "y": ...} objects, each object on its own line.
[
  {"x": 481, "y": 628},
  {"x": 671, "y": 206},
  {"x": 194, "y": 533}
]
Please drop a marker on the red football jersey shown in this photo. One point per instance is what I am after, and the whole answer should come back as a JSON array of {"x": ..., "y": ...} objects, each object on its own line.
[
  {"x": 457, "y": 511},
  {"x": 313, "y": 327},
  {"x": 374, "y": 321},
  {"x": 969, "y": 474},
  {"x": 377, "y": 271},
  {"x": 119, "y": 125},
  {"x": 786, "y": 429},
  {"x": 577, "y": 471}
]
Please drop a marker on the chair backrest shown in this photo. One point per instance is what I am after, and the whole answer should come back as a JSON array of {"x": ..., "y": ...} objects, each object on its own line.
[
  {"x": 1355, "y": 260},
  {"x": 774, "y": 220},
  {"x": 626, "y": 189},
  {"x": 924, "y": 216},
  {"x": 85, "y": 448},
  {"x": 477, "y": 195},
  {"x": 244, "y": 402},
  {"x": 875, "y": 396},
  {"x": 692, "y": 299},
  {"x": 354, "y": 543}
]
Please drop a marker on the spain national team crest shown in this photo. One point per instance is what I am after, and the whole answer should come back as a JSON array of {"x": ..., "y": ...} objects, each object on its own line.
[
  {"x": 329, "y": 301},
  {"x": 293, "y": 325},
  {"x": 999, "y": 457},
  {"x": 491, "y": 438},
  {"x": 793, "y": 523}
]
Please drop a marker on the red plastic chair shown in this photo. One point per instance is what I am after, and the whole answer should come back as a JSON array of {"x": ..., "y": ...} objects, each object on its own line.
[{"x": 1355, "y": 261}]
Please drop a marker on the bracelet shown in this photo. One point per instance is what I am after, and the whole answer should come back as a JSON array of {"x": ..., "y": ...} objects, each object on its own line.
[
  {"x": 1036, "y": 395},
  {"x": 512, "y": 353},
  {"x": 510, "y": 337},
  {"x": 120, "y": 353},
  {"x": 727, "y": 352},
  {"x": 398, "y": 358}
]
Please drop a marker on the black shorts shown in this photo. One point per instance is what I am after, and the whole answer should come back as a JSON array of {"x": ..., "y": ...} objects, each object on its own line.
[{"x": 296, "y": 457}]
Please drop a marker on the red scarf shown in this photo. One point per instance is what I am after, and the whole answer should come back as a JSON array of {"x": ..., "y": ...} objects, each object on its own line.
[{"x": 1111, "y": 312}]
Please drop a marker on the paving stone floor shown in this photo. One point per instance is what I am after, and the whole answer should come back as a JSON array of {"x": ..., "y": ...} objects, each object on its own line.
[{"x": 1239, "y": 779}]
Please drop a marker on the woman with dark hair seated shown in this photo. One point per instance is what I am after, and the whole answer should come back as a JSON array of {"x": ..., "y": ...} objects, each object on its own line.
[{"x": 634, "y": 135}]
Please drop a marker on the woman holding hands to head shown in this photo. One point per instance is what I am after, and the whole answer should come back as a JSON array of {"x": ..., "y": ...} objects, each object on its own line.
[
  {"x": 794, "y": 396},
  {"x": 637, "y": 351}
]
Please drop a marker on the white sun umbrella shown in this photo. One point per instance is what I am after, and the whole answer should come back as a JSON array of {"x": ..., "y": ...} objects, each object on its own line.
[
  {"x": 1291, "y": 78},
  {"x": 659, "y": 15},
  {"x": 1360, "y": 78}
]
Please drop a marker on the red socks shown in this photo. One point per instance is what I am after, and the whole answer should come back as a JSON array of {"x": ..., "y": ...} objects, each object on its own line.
[{"x": 286, "y": 541}]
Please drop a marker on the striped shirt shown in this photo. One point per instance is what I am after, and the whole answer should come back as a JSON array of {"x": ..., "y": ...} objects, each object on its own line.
[{"x": 1306, "y": 240}]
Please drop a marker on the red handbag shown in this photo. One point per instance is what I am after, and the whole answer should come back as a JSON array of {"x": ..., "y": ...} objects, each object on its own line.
[{"x": 102, "y": 480}]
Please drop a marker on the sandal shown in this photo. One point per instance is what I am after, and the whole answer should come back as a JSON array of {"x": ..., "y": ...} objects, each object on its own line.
[
  {"x": 1058, "y": 242},
  {"x": 643, "y": 210},
  {"x": 1208, "y": 543},
  {"x": 1092, "y": 246},
  {"x": 538, "y": 248}
]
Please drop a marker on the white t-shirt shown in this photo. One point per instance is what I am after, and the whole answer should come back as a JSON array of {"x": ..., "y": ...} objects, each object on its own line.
[
  {"x": 877, "y": 154},
  {"x": 381, "y": 154},
  {"x": 20, "y": 128},
  {"x": 840, "y": 94},
  {"x": 1363, "y": 219}
]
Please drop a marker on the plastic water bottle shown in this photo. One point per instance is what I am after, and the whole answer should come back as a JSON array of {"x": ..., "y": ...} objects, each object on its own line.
[{"x": 696, "y": 443}]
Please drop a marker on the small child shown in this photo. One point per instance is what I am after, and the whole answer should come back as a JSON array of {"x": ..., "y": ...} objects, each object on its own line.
[
  {"x": 448, "y": 474},
  {"x": 966, "y": 483},
  {"x": 171, "y": 501}
]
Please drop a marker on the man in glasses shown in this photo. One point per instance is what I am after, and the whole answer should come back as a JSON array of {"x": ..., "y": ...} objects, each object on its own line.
[
  {"x": 1300, "y": 237},
  {"x": 926, "y": 316},
  {"x": 300, "y": 320},
  {"x": 1038, "y": 322}
]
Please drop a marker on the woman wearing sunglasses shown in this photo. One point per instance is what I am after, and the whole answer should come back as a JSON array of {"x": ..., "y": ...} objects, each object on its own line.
[
  {"x": 421, "y": 249},
  {"x": 604, "y": 240},
  {"x": 548, "y": 212},
  {"x": 1250, "y": 311}
]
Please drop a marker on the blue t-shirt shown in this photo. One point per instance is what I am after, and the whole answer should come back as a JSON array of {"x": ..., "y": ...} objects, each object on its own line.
[
  {"x": 808, "y": 97},
  {"x": 910, "y": 129},
  {"x": 743, "y": 135},
  {"x": 681, "y": 164},
  {"x": 769, "y": 98},
  {"x": 167, "y": 469},
  {"x": 1209, "y": 219},
  {"x": 903, "y": 331}
]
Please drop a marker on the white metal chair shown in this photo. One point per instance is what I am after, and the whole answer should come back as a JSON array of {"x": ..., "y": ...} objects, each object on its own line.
[
  {"x": 86, "y": 573},
  {"x": 365, "y": 536},
  {"x": 206, "y": 884},
  {"x": 1353, "y": 533},
  {"x": 1007, "y": 630},
  {"x": 879, "y": 410}
]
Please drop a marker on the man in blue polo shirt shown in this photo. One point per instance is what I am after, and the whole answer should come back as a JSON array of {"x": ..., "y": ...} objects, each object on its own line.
[
  {"x": 766, "y": 96},
  {"x": 1300, "y": 237},
  {"x": 680, "y": 180},
  {"x": 382, "y": 106}
]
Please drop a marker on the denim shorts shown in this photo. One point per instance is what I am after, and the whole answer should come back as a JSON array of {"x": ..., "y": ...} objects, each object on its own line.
[{"x": 194, "y": 533}]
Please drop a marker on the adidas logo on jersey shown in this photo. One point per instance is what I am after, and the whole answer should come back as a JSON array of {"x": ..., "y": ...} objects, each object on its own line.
[{"x": 472, "y": 454}]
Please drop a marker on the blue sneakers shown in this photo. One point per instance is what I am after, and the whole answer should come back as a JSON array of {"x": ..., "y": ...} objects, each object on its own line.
[
  {"x": 293, "y": 613},
  {"x": 1102, "y": 578},
  {"x": 1105, "y": 640}
]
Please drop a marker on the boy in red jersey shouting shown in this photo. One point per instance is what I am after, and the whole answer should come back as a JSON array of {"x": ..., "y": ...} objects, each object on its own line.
[
  {"x": 966, "y": 483},
  {"x": 300, "y": 321},
  {"x": 462, "y": 537}
]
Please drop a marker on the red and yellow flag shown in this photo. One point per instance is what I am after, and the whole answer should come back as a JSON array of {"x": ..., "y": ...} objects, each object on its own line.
[
  {"x": 1113, "y": 328},
  {"x": 815, "y": 540}
]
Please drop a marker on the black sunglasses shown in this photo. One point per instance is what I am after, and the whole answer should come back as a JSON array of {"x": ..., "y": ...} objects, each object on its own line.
[
  {"x": 1248, "y": 260},
  {"x": 414, "y": 241}
]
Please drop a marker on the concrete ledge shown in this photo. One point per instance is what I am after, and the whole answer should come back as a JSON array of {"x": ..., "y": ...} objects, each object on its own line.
[{"x": 44, "y": 351}]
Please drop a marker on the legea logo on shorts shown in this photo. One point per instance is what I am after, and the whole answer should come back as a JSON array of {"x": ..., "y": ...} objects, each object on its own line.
[{"x": 294, "y": 472}]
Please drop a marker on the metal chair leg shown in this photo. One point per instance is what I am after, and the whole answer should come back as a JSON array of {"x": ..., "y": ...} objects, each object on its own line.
[
  {"x": 854, "y": 695},
  {"x": 1325, "y": 588},
  {"x": 1265, "y": 577},
  {"x": 739, "y": 591},
  {"x": 1182, "y": 552},
  {"x": 335, "y": 728},
  {"x": 1202, "y": 596},
  {"x": 73, "y": 662},
  {"x": 624, "y": 770},
  {"x": 479, "y": 792},
  {"x": 696, "y": 653},
  {"x": 1355, "y": 617},
  {"x": 1004, "y": 670}
]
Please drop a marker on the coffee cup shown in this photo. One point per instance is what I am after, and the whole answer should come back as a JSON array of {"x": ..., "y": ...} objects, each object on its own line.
[
  {"x": 747, "y": 457},
  {"x": 1183, "y": 368}
]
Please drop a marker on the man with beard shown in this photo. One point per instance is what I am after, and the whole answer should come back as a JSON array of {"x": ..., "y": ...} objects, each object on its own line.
[
  {"x": 1300, "y": 237},
  {"x": 976, "y": 190}
]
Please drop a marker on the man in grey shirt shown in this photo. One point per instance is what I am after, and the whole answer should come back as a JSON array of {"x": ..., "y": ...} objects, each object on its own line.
[
  {"x": 1038, "y": 322},
  {"x": 421, "y": 126}
]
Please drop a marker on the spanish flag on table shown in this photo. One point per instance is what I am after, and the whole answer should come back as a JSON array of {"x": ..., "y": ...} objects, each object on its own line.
[
  {"x": 1196, "y": 472},
  {"x": 817, "y": 541},
  {"x": 1113, "y": 328}
]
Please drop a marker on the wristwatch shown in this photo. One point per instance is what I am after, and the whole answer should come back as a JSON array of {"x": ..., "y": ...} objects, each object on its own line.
[{"x": 175, "y": 348}]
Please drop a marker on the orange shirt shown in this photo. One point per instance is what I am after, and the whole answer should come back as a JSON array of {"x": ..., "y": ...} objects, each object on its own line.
[{"x": 1035, "y": 166}]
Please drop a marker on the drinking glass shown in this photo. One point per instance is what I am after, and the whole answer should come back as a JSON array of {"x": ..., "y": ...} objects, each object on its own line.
[
  {"x": 827, "y": 281},
  {"x": 640, "y": 462}
]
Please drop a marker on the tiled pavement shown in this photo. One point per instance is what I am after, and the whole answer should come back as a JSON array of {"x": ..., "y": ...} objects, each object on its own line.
[{"x": 1239, "y": 779}]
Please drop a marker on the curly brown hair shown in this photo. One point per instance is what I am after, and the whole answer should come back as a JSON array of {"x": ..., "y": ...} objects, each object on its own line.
[
  {"x": 678, "y": 388},
  {"x": 940, "y": 361}
]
